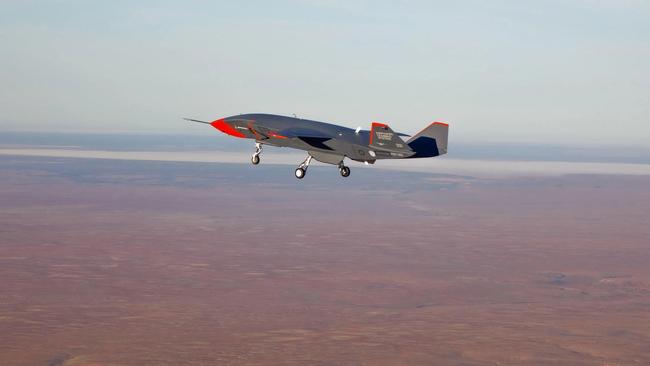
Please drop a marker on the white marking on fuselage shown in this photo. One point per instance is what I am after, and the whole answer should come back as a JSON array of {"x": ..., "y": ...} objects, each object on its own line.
[{"x": 384, "y": 135}]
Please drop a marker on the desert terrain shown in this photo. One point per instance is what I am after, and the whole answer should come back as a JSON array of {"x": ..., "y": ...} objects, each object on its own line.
[{"x": 112, "y": 262}]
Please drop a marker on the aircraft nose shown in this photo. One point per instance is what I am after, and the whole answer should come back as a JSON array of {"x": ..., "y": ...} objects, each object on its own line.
[{"x": 226, "y": 127}]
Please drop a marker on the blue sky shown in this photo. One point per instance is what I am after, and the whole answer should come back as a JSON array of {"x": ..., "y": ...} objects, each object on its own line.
[{"x": 574, "y": 72}]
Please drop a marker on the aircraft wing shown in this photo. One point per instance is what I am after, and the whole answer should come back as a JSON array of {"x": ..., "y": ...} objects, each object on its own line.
[{"x": 311, "y": 137}]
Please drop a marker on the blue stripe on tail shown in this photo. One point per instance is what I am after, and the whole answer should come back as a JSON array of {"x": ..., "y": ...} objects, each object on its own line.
[{"x": 424, "y": 147}]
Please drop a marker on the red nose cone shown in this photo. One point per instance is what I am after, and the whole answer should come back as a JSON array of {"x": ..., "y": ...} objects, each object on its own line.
[{"x": 224, "y": 127}]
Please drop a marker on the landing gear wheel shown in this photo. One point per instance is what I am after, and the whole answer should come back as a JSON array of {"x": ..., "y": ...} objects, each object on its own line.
[
  {"x": 300, "y": 173},
  {"x": 345, "y": 171},
  {"x": 302, "y": 168},
  {"x": 255, "y": 159}
]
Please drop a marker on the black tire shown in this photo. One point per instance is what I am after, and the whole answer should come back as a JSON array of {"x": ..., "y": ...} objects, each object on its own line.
[
  {"x": 300, "y": 173},
  {"x": 255, "y": 159},
  {"x": 345, "y": 171}
]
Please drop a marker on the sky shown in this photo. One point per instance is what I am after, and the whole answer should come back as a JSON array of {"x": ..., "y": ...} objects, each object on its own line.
[{"x": 561, "y": 72}]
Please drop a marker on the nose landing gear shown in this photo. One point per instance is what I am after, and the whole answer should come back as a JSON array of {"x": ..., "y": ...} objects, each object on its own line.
[{"x": 255, "y": 159}]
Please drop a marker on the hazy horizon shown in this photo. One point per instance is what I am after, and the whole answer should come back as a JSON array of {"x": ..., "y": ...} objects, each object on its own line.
[
  {"x": 501, "y": 160},
  {"x": 211, "y": 139}
]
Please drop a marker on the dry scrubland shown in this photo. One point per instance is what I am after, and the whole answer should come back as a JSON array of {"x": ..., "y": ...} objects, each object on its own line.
[{"x": 136, "y": 263}]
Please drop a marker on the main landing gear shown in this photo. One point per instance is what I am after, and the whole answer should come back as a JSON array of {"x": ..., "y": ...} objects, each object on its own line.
[
  {"x": 302, "y": 168},
  {"x": 301, "y": 171},
  {"x": 344, "y": 170},
  {"x": 255, "y": 159}
]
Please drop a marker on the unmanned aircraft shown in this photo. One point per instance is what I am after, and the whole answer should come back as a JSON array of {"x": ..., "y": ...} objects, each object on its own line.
[{"x": 331, "y": 144}]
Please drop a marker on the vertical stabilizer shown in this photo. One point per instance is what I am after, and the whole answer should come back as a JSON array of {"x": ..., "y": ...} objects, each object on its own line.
[{"x": 383, "y": 137}]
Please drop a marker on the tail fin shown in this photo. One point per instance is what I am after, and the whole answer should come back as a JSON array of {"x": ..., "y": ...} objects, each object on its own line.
[
  {"x": 383, "y": 137},
  {"x": 432, "y": 141}
]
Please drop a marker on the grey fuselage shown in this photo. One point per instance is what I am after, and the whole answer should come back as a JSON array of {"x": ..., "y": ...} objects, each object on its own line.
[{"x": 326, "y": 142}]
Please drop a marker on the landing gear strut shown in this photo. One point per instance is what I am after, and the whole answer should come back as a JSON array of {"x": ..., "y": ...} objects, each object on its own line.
[
  {"x": 302, "y": 168},
  {"x": 255, "y": 159}
]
